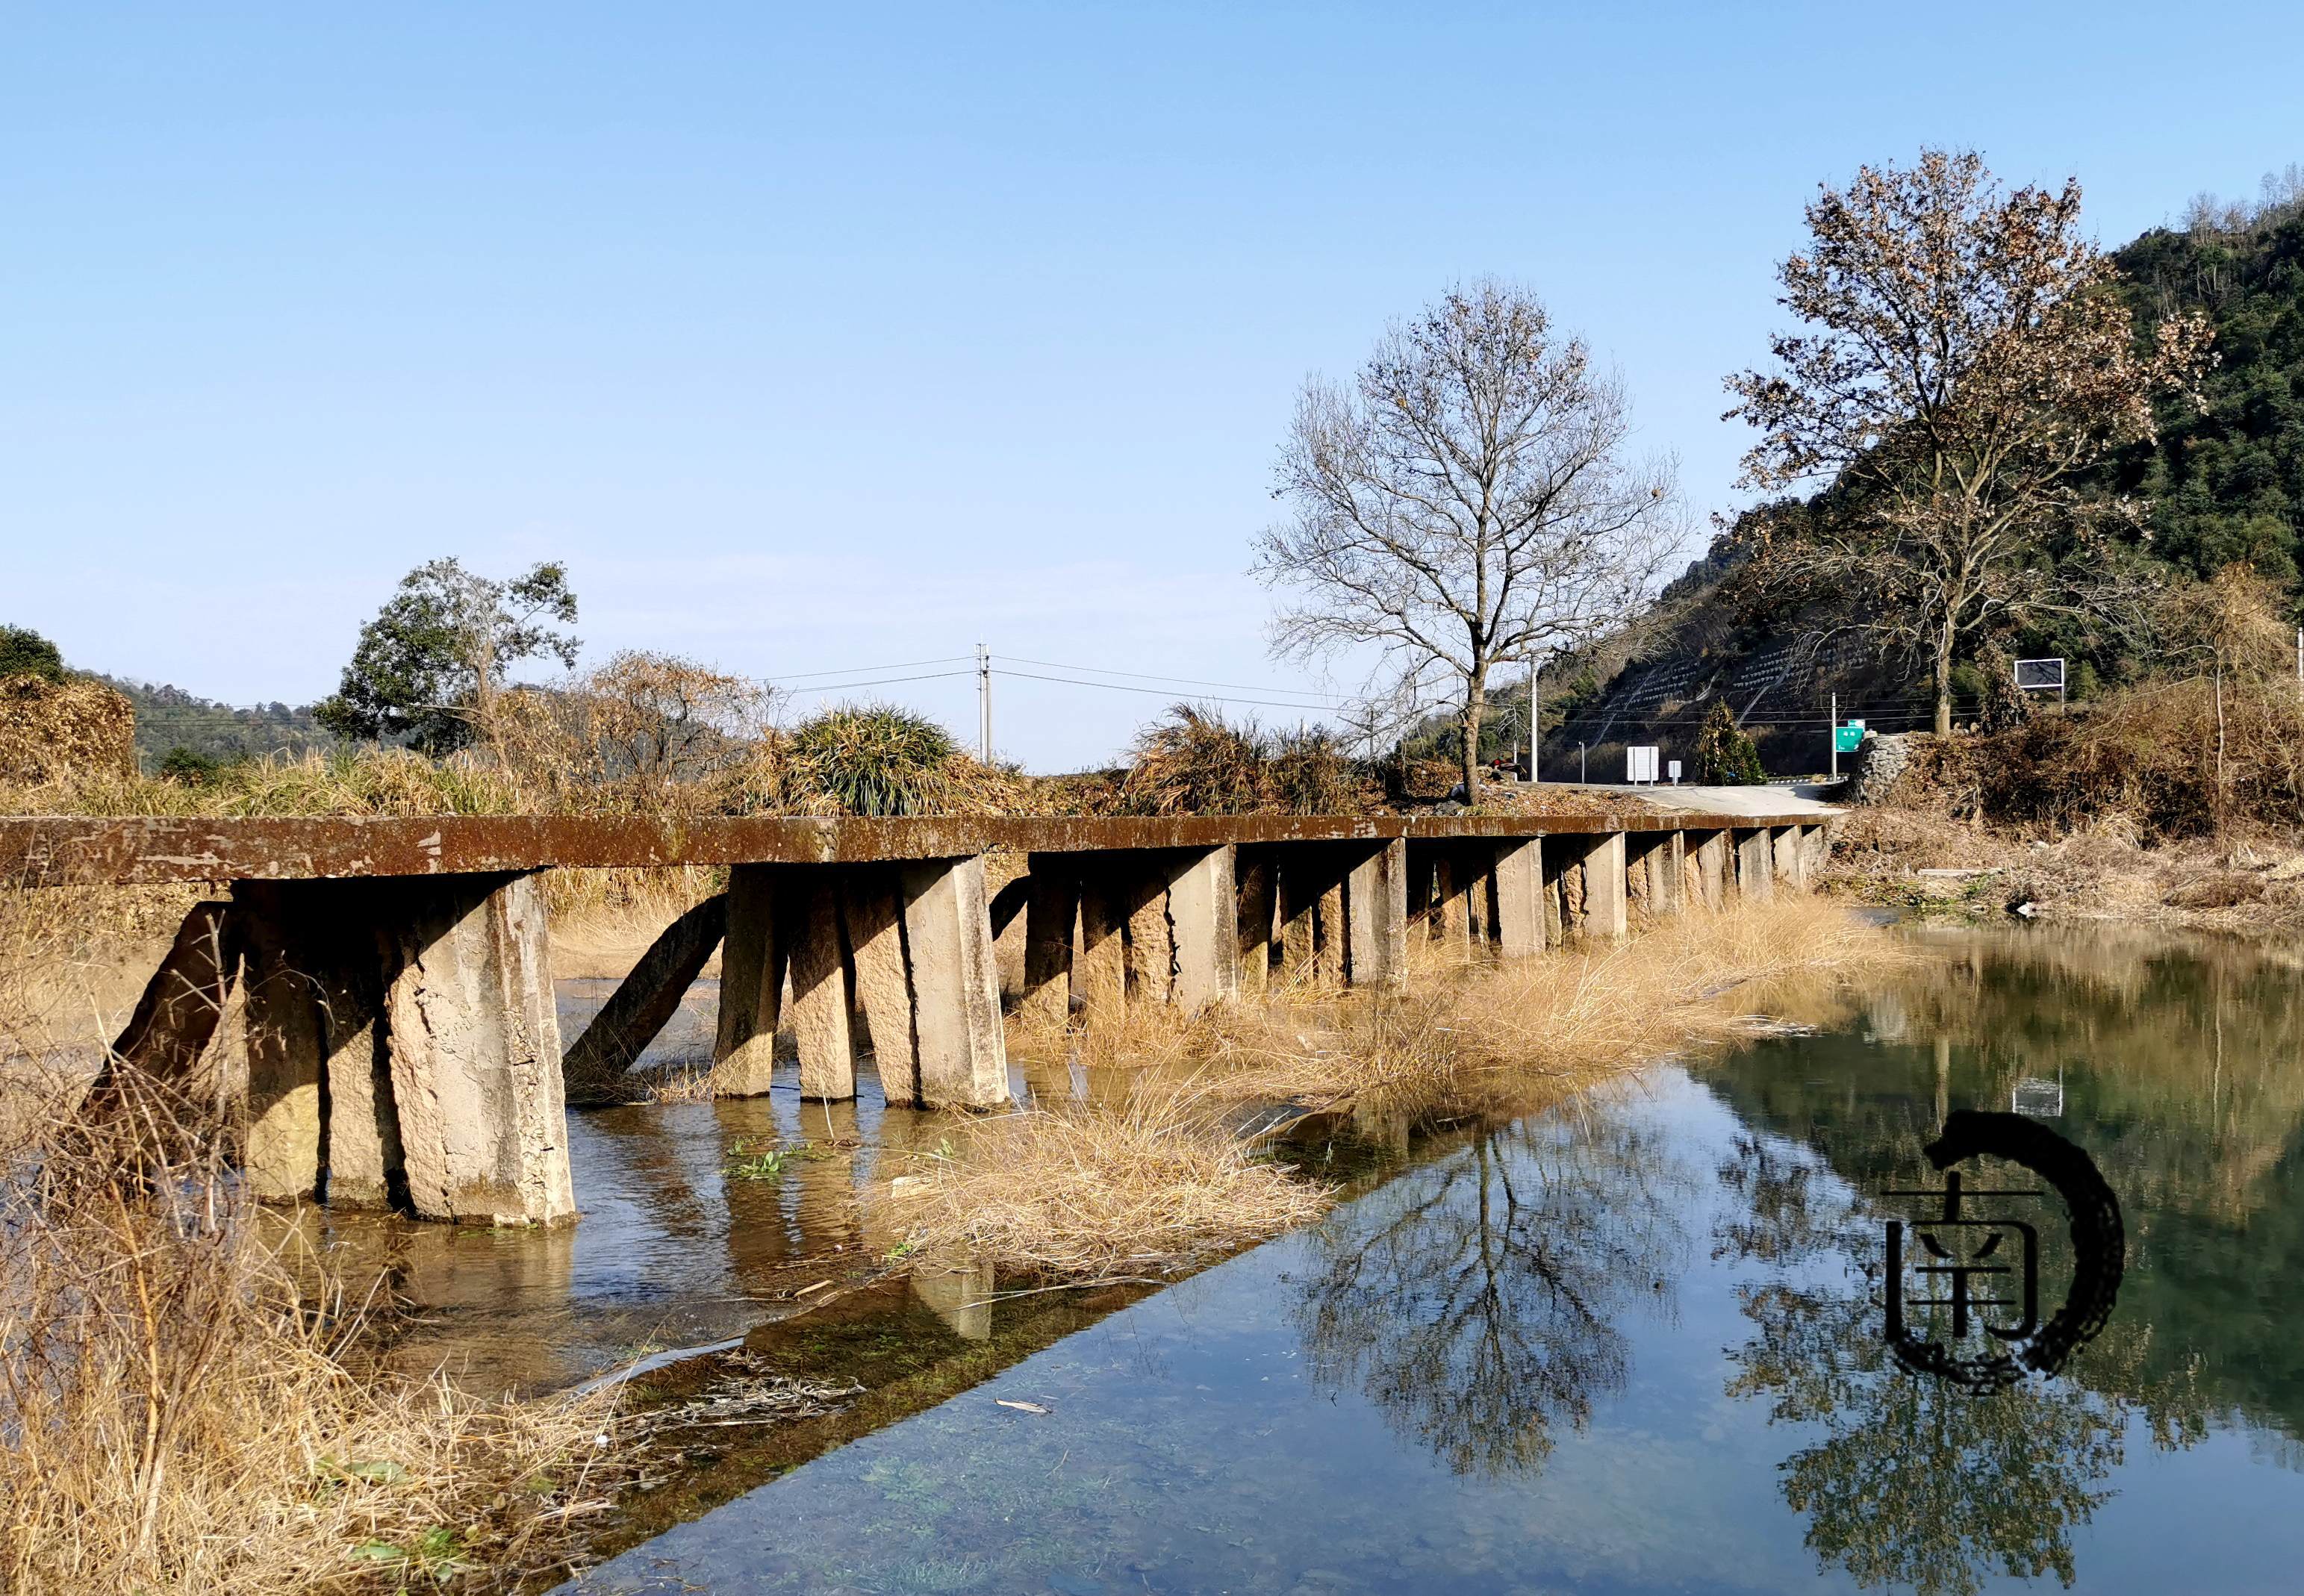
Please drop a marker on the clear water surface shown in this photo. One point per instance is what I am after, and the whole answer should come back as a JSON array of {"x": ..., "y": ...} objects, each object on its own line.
[{"x": 1632, "y": 1347}]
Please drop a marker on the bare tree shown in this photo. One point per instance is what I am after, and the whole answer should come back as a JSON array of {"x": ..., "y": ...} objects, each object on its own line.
[
  {"x": 2232, "y": 625},
  {"x": 1466, "y": 503},
  {"x": 1966, "y": 363}
]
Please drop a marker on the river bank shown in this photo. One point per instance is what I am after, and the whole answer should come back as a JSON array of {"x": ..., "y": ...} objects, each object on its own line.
[{"x": 2251, "y": 883}]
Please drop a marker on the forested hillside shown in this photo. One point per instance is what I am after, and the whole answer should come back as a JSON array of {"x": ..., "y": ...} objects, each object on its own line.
[
  {"x": 168, "y": 718},
  {"x": 2227, "y": 484}
]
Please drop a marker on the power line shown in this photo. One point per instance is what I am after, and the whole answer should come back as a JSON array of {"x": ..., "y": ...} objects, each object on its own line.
[
  {"x": 1189, "y": 681},
  {"x": 1115, "y": 687},
  {"x": 949, "y": 659},
  {"x": 880, "y": 681}
]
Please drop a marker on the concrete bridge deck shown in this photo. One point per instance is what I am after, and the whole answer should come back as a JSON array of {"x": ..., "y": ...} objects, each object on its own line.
[
  {"x": 40, "y": 851},
  {"x": 395, "y": 973}
]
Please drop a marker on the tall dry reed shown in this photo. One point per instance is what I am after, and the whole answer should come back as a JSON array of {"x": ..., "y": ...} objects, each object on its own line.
[{"x": 176, "y": 1416}]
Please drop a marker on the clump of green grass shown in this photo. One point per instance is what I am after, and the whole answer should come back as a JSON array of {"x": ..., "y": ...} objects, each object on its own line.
[
  {"x": 874, "y": 759},
  {"x": 749, "y": 1160}
]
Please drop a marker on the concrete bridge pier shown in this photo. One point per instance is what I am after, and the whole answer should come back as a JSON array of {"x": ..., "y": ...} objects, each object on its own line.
[
  {"x": 1375, "y": 916},
  {"x": 1516, "y": 885},
  {"x": 1052, "y": 915},
  {"x": 1310, "y": 933},
  {"x": 1708, "y": 872},
  {"x": 1656, "y": 868},
  {"x": 1789, "y": 864},
  {"x": 1816, "y": 846},
  {"x": 1149, "y": 925},
  {"x": 1450, "y": 884},
  {"x": 1332, "y": 912},
  {"x": 1255, "y": 881},
  {"x": 1204, "y": 928},
  {"x": 1478, "y": 893},
  {"x": 1755, "y": 865},
  {"x": 910, "y": 944},
  {"x": 753, "y": 957},
  {"x": 955, "y": 983},
  {"x": 403, "y": 1048},
  {"x": 1604, "y": 882},
  {"x": 1584, "y": 888}
]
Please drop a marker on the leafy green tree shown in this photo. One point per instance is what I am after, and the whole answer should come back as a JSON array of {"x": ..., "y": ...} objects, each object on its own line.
[
  {"x": 1725, "y": 756},
  {"x": 429, "y": 668},
  {"x": 25, "y": 653}
]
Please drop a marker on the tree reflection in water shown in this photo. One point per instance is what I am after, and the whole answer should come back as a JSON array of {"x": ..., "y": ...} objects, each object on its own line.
[
  {"x": 1916, "y": 1483},
  {"x": 1477, "y": 1301}
]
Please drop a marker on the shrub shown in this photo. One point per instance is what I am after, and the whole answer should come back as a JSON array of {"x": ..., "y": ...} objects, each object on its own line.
[
  {"x": 873, "y": 759},
  {"x": 61, "y": 732},
  {"x": 1726, "y": 757},
  {"x": 181, "y": 764},
  {"x": 1310, "y": 775},
  {"x": 1198, "y": 762},
  {"x": 183, "y": 1416},
  {"x": 25, "y": 653},
  {"x": 2145, "y": 755}
]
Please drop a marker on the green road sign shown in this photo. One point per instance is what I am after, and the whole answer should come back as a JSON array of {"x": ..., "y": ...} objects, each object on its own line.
[{"x": 1845, "y": 738}]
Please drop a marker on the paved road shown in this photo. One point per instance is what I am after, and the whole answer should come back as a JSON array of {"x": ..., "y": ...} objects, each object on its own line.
[{"x": 1802, "y": 798}]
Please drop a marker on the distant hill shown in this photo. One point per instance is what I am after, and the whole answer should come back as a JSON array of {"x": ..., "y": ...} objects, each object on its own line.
[
  {"x": 169, "y": 718},
  {"x": 2225, "y": 483}
]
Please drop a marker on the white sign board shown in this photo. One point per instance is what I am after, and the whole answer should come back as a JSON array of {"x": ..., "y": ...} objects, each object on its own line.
[
  {"x": 1641, "y": 764},
  {"x": 1672, "y": 769},
  {"x": 2040, "y": 675}
]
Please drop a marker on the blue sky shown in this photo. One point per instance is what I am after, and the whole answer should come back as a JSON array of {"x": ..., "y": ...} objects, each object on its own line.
[{"x": 846, "y": 336}]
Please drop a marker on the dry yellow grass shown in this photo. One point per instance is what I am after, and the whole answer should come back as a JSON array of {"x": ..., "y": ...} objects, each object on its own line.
[
  {"x": 176, "y": 1416},
  {"x": 179, "y": 1411},
  {"x": 1152, "y": 1182},
  {"x": 1492, "y": 1035},
  {"x": 1153, "y": 1177},
  {"x": 1148, "y": 1184}
]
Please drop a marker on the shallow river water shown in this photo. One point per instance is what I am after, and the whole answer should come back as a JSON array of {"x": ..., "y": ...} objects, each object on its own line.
[{"x": 1632, "y": 1347}]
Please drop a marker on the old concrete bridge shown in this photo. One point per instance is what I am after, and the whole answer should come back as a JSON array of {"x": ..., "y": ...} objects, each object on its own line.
[{"x": 404, "y": 1049}]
